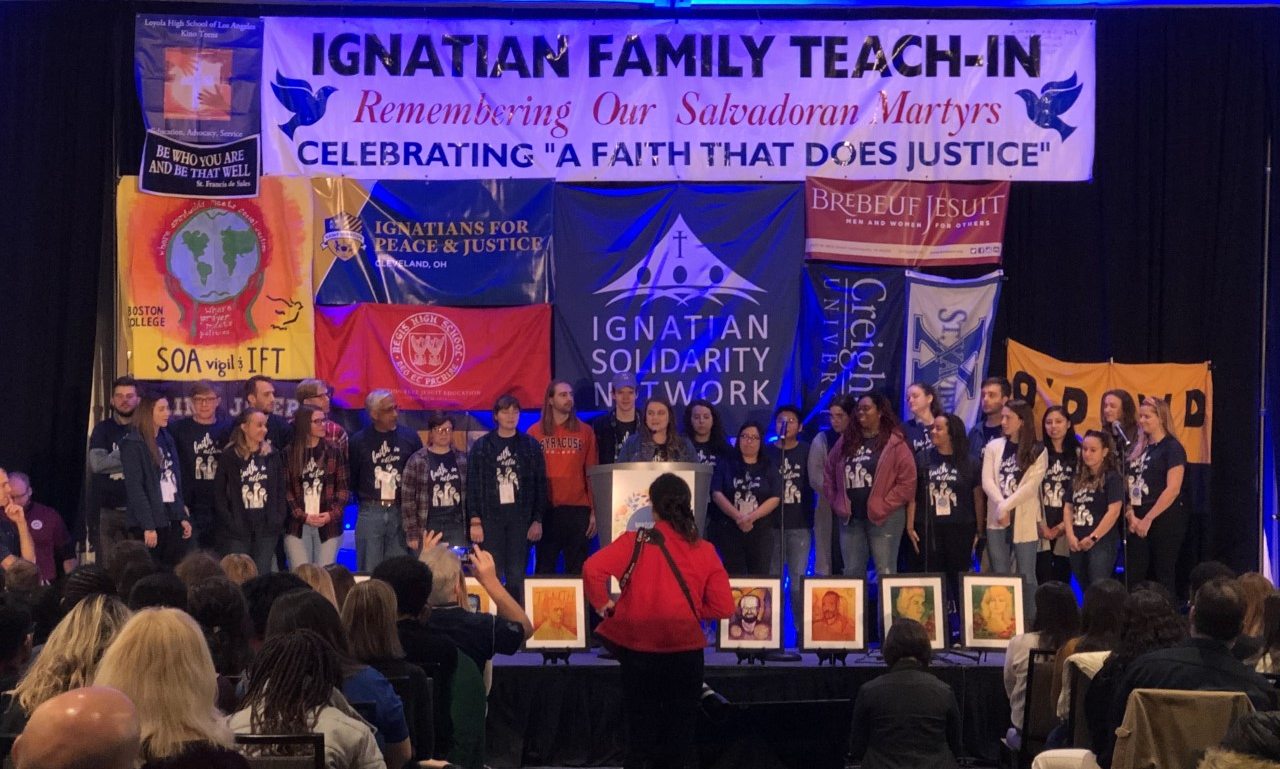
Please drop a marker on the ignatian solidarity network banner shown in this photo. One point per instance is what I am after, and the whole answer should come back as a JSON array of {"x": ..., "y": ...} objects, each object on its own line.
[
  {"x": 708, "y": 100},
  {"x": 216, "y": 289}
]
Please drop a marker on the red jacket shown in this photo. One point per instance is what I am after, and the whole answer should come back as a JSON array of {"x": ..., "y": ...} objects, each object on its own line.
[
  {"x": 892, "y": 487},
  {"x": 652, "y": 615}
]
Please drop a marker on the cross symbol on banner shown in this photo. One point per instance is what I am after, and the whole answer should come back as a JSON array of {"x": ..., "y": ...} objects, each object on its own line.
[
  {"x": 956, "y": 360},
  {"x": 198, "y": 79}
]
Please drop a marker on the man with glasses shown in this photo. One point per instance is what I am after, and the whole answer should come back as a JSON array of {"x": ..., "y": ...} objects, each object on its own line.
[
  {"x": 15, "y": 537},
  {"x": 200, "y": 439},
  {"x": 435, "y": 488},
  {"x": 379, "y": 454},
  {"x": 49, "y": 537},
  {"x": 105, "y": 518},
  {"x": 317, "y": 392}
]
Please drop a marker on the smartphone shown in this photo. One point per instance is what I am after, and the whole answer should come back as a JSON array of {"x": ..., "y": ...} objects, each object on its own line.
[{"x": 463, "y": 553}]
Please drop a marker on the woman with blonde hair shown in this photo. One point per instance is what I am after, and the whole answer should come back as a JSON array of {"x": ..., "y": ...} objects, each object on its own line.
[
  {"x": 1155, "y": 514},
  {"x": 239, "y": 567},
  {"x": 160, "y": 661},
  {"x": 319, "y": 580},
  {"x": 70, "y": 657}
]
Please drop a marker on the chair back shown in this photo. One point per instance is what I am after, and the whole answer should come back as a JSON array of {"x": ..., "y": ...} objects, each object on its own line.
[
  {"x": 1172, "y": 728},
  {"x": 415, "y": 695},
  {"x": 1040, "y": 714},
  {"x": 1077, "y": 727},
  {"x": 257, "y": 750}
]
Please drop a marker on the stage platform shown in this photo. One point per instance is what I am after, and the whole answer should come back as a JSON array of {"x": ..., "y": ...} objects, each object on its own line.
[{"x": 571, "y": 715}]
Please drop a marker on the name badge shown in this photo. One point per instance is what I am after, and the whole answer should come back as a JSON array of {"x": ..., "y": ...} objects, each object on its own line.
[
  {"x": 942, "y": 504},
  {"x": 387, "y": 487},
  {"x": 311, "y": 503},
  {"x": 168, "y": 490},
  {"x": 1135, "y": 494},
  {"x": 748, "y": 505},
  {"x": 506, "y": 494}
]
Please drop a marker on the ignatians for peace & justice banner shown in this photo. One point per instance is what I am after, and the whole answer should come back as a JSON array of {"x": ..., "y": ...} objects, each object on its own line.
[
  {"x": 216, "y": 289},
  {"x": 687, "y": 100},
  {"x": 435, "y": 357},
  {"x": 1045, "y": 381},
  {"x": 464, "y": 243},
  {"x": 694, "y": 289}
]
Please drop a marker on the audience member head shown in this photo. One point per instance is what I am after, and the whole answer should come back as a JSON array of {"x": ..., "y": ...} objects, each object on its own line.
[
  {"x": 158, "y": 590},
  {"x": 1101, "y": 616},
  {"x": 1271, "y": 625},
  {"x": 369, "y": 616},
  {"x": 415, "y": 582},
  {"x": 343, "y": 581},
  {"x": 1217, "y": 610},
  {"x": 1256, "y": 589},
  {"x": 1155, "y": 587},
  {"x": 160, "y": 661},
  {"x": 292, "y": 676},
  {"x": 197, "y": 567},
  {"x": 319, "y": 580},
  {"x": 1057, "y": 615},
  {"x": 308, "y": 610},
  {"x": 1206, "y": 570},
  {"x": 906, "y": 639},
  {"x": 261, "y": 593},
  {"x": 86, "y": 728},
  {"x": 135, "y": 573},
  {"x": 70, "y": 657},
  {"x": 45, "y": 613},
  {"x": 82, "y": 582},
  {"x": 238, "y": 567},
  {"x": 22, "y": 576},
  {"x": 219, "y": 606},
  {"x": 15, "y": 633},
  {"x": 673, "y": 504},
  {"x": 1150, "y": 622},
  {"x": 123, "y": 555}
]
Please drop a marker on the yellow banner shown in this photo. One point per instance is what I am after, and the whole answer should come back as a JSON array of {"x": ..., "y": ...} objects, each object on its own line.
[
  {"x": 1078, "y": 387},
  {"x": 216, "y": 289}
]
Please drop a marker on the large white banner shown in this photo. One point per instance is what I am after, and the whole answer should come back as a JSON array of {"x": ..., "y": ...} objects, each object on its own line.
[{"x": 701, "y": 100}]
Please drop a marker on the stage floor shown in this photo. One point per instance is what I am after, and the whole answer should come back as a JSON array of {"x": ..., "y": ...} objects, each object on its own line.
[{"x": 571, "y": 715}]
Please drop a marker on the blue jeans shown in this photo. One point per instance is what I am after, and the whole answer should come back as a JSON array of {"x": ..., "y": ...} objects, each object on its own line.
[
  {"x": 309, "y": 549},
  {"x": 1098, "y": 562},
  {"x": 260, "y": 547},
  {"x": 379, "y": 535},
  {"x": 862, "y": 539},
  {"x": 1003, "y": 552},
  {"x": 798, "y": 544}
]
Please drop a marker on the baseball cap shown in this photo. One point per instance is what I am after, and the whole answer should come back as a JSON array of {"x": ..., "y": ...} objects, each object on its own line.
[{"x": 624, "y": 379}]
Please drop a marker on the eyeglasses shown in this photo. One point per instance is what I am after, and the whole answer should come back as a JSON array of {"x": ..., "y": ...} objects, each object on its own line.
[
  {"x": 24, "y": 495},
  {"x": 442, "y": 429},
  {"x": 749, "y": 438},
  {"x": 203, "y": 399}
]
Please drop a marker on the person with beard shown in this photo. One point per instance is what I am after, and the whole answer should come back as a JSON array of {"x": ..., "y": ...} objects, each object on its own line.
[
  {"x": 105, "y": 515},
  {"x": 746, "y": 624},
  {"x": 832, "y": 621},
  {"x": 260, "y": 394},
  {"x": 569, "y": 451},
  {"x": 199, "y": 440},
  {"x": 15, "y": 537},
  {"x": 53, "y": 545}
]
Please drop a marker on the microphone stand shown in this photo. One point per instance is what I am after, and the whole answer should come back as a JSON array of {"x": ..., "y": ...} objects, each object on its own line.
[
  {"x": 781, "y": 654},
  {"x": 1124, "y": 524}
]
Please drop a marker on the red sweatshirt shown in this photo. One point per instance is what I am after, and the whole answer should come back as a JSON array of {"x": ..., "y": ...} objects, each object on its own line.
[
  {"x": 568, "y": 455},
  {"x": 652, "y": 615}
]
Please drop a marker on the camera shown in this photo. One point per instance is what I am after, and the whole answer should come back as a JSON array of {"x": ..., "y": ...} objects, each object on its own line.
[{"x": 463, "y": 552}]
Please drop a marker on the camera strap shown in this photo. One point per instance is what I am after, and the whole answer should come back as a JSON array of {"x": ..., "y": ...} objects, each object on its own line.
[{"x": 654, "y": 536}]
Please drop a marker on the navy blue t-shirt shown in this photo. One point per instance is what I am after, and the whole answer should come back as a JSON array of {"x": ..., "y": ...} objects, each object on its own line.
[
  {"x": 109, "y": 489},
  {"x": 1089, "y": 506},
  {"x": 378, "y": 460},
  {"x": 1149, "y": 473},
  {"x": 859, "y": 474},
  {"x": 946, "y": 490},
  {"x": 1054, "y": 489},
  {"x": 199, "y": 448},
  {"x": 746, "y": 486},
  {"x": 795, "y": 493}
]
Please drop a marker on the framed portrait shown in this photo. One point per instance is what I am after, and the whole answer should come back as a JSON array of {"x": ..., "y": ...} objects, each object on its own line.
[
  {"x": 756, "y": 624},
  {"x": 557, "y": 606},
  {"x": 478, "y": 599},
  {"x": 992, "y": 609},
  {"x": 832, "y": 614},
  {"x": 915, "y": 596}
]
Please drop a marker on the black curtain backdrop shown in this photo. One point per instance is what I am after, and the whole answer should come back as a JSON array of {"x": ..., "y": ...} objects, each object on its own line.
[{"x": 1158, "y": 259}]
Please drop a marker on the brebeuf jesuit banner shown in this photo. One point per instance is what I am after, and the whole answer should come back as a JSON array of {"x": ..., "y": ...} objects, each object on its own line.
[
  {"x": 454, "y": 243},
  {"x": 434, "y": 357},
  {"x": 1078, "y": 388},
  {"x": 697, "y": 100},
  {"x": 216, "y": 289},
  {"x": 692, "y": 288},
  {"x": 909, "y": 224}
]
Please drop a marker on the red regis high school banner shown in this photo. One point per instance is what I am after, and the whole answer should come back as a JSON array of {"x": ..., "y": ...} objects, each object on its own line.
[{"x": 434, "y": 357}]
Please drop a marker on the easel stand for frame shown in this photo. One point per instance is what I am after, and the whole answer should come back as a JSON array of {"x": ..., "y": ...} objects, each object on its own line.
[
  {"x": 751, "y": 658},
  {"x": 831, "y": 658},
  {"x": 944, "y": 655},
  {"x": 553, "y": 658}
]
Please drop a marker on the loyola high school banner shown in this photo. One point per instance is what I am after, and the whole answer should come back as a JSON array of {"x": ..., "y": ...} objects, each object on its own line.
[
  {"x": 949, "y": 326},
  {"x": 434, "y": 358},
  {"x": 454, "y": 243},
  {"x": 688, "y": 99},
  {"x": 1078, "y": 387},
  {"x": 216, "y": 289},
  {"x": 851, "y": 334},
  {"x": 909, "y": 224},
  {"x": 693, "y": 288}
]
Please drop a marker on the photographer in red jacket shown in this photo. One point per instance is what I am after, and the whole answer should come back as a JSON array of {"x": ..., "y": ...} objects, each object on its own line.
[{"x": 671, "y": 581}]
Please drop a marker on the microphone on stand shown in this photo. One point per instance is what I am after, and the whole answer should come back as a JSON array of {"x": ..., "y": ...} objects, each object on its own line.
[{"x": 1119, "y": 432}]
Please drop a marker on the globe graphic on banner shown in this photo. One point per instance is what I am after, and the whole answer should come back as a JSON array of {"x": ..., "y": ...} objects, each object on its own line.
[{"x": 213, "y": 254}]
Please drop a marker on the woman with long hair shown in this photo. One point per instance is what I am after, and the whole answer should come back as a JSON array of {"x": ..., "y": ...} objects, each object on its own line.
[
  {"x": 654, "y": 626},
  {"x": 704, "y": 428},
  {"x": 1012, "y": 470},
  {"x": 70, "y": 658},
  {"x": 161, "y": 663},
  {"x": 1269, "y": 658},
  {"x": 1062, "y": 450},
  {"x": 219, "y": 606},
  {"x": 1057, "y": 620},
  {"x": 291, "y": 689},
  {"x": 1101, "y": 614},
  {"x": 745, "y": 491},
  {"x": 923, "y": 407},
  {"x": 317, "y": 491},
  {"x": 251, "y": 491},
  {"x": 1156, "y": 516},
  {"x": 839, "y": 412},
  {"x": 946, "y": 503},
  {"x": 1120, "y": 418},
  {"x": 656, "y": 439},
  {"x": 154, "y": 510},
  {"x": 1092, "y": 509},
  {"x": 1256, "y": 588},
  {"x": 320, "y": 581},
  {"x": 870, "y": 476}
]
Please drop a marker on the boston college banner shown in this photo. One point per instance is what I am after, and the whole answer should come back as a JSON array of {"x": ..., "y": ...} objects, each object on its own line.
[{"x": 434, "y": 357}]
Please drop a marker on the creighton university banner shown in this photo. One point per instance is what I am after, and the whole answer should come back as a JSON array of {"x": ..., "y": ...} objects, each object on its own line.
[
  {"x": 949, "y": 337},
  {"x": 693, "y": 288},
  {"x": 690, "y": 100},
  {"x": 1045, "y": 381},
  {"x": 851, "y": 334},
  {"x": 216, "y": 289},
  {"x": 436, "y": 357},
  {"x": 457, "y": 243},
  {"x": 909, "y": 224}
]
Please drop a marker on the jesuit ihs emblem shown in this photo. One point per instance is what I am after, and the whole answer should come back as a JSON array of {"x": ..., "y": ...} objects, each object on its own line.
[{"x": 428, "y": 349}]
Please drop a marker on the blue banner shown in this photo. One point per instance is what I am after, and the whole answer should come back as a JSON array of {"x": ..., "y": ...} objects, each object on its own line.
[
  {"x": 852, "y": 333},
  {"x": 199, "y": 76},
  {"x": 452, "y": 243},
  {"x": 692, "y": 288}
]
